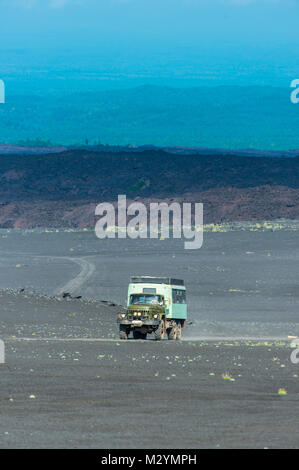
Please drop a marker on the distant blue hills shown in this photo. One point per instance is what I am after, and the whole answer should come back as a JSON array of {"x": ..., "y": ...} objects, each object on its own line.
[{"x": 243, "y": 119}]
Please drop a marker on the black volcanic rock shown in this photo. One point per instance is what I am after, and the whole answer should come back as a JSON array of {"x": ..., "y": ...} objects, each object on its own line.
[
  {"x": 52, "y": 189},
  {"x": 77, "y": 175}
]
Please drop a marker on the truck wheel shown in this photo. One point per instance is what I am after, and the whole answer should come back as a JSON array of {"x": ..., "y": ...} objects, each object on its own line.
[
  {"x": 123, "y": 332},
  {"x": 171, "y": 332},
  {"x": 143, "y": 335},
  {"x": 160, "y": 331},
  {"x": 179, "y": 331}
]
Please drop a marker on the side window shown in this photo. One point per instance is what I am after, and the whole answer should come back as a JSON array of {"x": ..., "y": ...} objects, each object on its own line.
[{"x": 178, "y": 296}]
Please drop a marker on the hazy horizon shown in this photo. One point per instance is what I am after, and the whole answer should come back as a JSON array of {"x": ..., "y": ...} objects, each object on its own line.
[
  {"x": 116, "y": 43},
  {"x": 53, "y": 49}
]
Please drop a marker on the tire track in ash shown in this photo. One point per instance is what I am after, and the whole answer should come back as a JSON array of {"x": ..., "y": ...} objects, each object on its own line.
[
  {"x": 208, "y": 339},
  {"x": 87, "y": 270}
]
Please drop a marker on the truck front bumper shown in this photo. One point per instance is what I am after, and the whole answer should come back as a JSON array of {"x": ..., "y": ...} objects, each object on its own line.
[{"x": 139, "y": 322}]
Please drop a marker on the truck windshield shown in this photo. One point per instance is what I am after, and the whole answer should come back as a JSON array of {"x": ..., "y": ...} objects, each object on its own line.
[{"x": 145, "y": 299}]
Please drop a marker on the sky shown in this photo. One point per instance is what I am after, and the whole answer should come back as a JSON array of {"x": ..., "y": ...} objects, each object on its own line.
[{"x": 136, "y": 41}]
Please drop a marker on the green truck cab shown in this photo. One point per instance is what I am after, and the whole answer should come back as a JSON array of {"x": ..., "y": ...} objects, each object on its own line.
[{"x": 154, "y": 305}]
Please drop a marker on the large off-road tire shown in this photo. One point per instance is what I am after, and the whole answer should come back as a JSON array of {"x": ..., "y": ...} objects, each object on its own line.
[
  {"x": 123, "y": 332},
  {"x": 160, "y": 331},
  {"x": 179, "y": 331},
  {"x": 171, "y": 332}
]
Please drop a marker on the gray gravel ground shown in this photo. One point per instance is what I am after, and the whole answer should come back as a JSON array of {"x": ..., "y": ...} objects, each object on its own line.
[
  {"x": 65, "y": 386},
  {"x": 240, "y": 282},
  {"x": 68, "y": 382}
]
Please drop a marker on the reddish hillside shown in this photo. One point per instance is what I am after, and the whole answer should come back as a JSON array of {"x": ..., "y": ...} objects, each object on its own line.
[{"x": 62, "y": 189}]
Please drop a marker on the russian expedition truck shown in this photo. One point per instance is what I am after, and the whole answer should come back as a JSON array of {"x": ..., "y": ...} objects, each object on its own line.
[{"x": 154, "y": 305}]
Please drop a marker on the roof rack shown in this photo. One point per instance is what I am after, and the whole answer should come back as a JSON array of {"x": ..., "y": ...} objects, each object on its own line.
[{"x": 156, "y": 280}]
